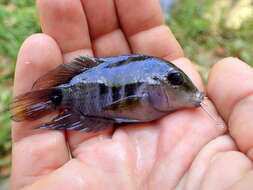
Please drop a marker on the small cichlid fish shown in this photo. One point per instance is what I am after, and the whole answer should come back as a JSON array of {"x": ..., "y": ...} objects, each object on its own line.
[{"x": 95, "y": 93}]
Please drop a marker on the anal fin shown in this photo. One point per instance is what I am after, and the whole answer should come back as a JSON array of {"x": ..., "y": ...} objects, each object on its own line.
[{"x": 70, "y": 120}]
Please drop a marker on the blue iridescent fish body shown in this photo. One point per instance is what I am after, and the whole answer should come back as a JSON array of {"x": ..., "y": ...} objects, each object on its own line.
[{"x": 96, "y": 93}]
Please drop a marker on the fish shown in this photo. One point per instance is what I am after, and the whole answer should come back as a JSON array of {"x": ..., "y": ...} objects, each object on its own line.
[{"x": 92, "y": 94}]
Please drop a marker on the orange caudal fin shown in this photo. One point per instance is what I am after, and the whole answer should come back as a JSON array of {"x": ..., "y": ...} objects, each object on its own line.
[{"x": 33, "y": 105}]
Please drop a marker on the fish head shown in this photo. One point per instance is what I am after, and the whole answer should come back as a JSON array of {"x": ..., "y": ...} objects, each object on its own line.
[{"x": 179, "y": 90}]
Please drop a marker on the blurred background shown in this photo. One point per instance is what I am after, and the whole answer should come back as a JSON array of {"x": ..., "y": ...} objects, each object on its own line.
[{"x": 208, "y": 30}]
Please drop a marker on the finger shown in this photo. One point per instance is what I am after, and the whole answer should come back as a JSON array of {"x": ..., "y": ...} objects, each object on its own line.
[
  {"x": 65, "y": 21},
  {"x": 226, "y": 168},
  {"x": 182, "y": 135},
  {"x": 245, "y": 183},
  {"x": 230, "y": 87},
  {"x": 144, "y": 28},
  {"x": 30, "y": 151},
  {"x": 107, "y": 37},
  {"x": 202, "y": 161},
  {"x": 103, "y": 163}
]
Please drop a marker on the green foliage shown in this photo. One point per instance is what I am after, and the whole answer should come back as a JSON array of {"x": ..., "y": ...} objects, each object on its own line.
[
  {"x": 18, "y": 3},
  {"x": 193, "y": 24},
  {"x": 5, "y": 129},
  {"x": 23, "y": 3},
  {"x": 18, "y": 20},
  {"x": 238, "y": 42},
  {"x": 17, "y": 24}
]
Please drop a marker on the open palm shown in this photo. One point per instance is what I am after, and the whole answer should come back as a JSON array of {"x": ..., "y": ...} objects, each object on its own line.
[{"x": 184, "y": 150}]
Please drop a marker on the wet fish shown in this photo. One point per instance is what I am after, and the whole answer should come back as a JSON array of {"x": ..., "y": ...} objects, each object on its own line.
[{"x": 95, "y": 93}]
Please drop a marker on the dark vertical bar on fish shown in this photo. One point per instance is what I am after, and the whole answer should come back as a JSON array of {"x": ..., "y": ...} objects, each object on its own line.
[
  {"x": 131, "y": 89},
  {"x": 116, "y": 93},
  {"x": 103, "y": 89}
]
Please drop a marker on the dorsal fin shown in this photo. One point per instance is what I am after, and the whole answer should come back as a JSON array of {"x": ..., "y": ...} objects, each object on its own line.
[{"x": 65, "y": 72}]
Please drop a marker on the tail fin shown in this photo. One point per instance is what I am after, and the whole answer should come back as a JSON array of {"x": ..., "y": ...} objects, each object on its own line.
[{"x": 32, "y": 105}]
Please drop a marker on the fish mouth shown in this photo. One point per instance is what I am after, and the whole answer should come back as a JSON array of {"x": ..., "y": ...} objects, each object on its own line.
[{"x": 198, "y": 98}]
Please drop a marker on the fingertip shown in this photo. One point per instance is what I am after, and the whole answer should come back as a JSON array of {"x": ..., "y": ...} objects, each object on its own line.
[
  {"x": 38, "y": 54},
  {"x": 230, "y": 87},
  {"x": 229, "y": 81},
  {"x": 39, "y": 39},
  {"x": 223, "y": 64}
]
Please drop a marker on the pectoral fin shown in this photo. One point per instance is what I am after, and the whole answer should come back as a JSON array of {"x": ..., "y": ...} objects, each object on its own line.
[
  {"x": 70, "y": 120},
  {"x": 65, "y": 72}
]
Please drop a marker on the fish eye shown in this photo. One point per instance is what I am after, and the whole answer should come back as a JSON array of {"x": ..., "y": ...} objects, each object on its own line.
[
  {"x": 175, "y": 78},
  {"x": 56, "y": 97}
]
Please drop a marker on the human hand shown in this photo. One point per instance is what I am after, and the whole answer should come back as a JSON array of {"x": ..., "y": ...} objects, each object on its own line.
[{"x": 184, "y": 150}]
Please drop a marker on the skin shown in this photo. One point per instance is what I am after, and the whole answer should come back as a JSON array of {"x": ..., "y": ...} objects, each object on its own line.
[{"x": 184, "y": 150}]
